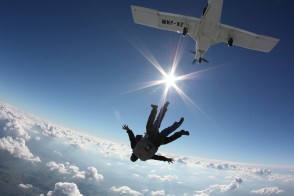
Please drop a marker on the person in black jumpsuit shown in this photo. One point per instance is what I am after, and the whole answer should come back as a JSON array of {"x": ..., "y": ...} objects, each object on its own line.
[{"x": 153, "y": 134}]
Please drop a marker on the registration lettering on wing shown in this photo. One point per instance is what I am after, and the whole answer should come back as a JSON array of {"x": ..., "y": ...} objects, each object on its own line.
[{"x": 171, "y": 22}]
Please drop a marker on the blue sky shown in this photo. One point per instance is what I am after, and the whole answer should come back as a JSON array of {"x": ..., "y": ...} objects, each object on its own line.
[{"x": 77, "y": 63}]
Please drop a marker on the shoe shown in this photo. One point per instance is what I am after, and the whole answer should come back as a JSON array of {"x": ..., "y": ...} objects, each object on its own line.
[
  {"x": 183, "y": 132},
  {"x": 166, "y": 104},
  {"x": 154, "y": 106},
  {"x": 181, "y": 120}
]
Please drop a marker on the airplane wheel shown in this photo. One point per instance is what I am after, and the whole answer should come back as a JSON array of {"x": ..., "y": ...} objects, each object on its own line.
[
  {"x": 185, "y": 31},
  {"x": 230, "y": 42}
]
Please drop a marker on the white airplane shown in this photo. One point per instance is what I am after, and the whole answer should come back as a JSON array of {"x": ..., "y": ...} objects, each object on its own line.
[{"x": 206, "y": 31}]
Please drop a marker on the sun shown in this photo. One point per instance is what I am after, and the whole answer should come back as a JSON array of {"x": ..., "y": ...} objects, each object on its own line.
[{"x": 170, "y": 80}]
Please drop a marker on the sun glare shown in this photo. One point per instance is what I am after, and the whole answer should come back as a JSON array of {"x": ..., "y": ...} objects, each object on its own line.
[{"x": 170, "y": 80}]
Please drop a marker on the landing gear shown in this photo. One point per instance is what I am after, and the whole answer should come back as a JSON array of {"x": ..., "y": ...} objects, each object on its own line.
[
  {"x": 185, "y": 31},
  {"x": 230, "y": 42}
]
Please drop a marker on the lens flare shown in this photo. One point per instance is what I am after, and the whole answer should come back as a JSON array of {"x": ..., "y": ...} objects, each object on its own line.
[{"x": 169, "y": 79}]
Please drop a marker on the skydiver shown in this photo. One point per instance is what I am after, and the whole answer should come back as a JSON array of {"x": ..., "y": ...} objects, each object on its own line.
[{"x": 145, "y": 147}]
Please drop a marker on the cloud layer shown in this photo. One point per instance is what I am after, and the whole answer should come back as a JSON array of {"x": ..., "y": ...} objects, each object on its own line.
[{"x": 18, "y": 128}]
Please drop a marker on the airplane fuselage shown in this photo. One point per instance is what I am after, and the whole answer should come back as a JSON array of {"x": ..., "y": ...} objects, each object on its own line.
[{"x": 206, "y": 32}]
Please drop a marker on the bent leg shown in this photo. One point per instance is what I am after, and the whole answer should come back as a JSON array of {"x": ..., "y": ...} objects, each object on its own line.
[
  {"x": 166, "y": 140},
  {"x": 165, "y": 132}
]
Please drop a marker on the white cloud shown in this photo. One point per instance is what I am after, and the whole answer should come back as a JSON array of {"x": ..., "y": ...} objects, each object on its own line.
[
  {"x": 221, "y": 187},
  {"x": 268, "y": 191},
  {"x": 15, "y": 128},
  {"x": 25, "y": 186},
  {"x": 17, "y": 148},
  {"x": 125, "y": 190},
  {"x": 207, "y": 163},
  {"x": 242, "y": 169},
  {"x": 184, "y": 160},
  {"x": 221, "y": 166},
  {"x": 162, "y": 178},
  {"x": 205, "y": 192},
  {"x": 13, "y": 124},
  {"x": 65, "y": 189},
  {"x": 59, "y": 167},
  {"x": 283, "y": 178},
  {"x": 92, "y": 174},
  {"x": 77, "y": 142},
  {"x": 52, "y": 130},
  {"x": 232, "y": 186},
  {"x": 76, "y": 172},
  {"x": 158, "y": 193},
  {"x": 261, "y": 171}
]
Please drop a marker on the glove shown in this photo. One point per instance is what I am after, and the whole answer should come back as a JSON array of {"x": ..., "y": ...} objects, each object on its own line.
[{"x": 169, "y": 160}]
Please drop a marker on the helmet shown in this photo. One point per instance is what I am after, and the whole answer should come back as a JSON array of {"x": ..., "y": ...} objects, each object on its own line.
[
  {"x": 138, "y": 137},
  {"x": 133, "y": 158}
]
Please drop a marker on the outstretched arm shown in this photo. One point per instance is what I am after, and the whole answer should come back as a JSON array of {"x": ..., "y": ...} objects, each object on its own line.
[
  {"x": 131, "y": 135},
  {"x": 162, "y": 158}
]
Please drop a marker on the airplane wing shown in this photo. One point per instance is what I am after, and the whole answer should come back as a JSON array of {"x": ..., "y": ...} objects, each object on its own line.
[
  {"x": 246, "y": 39},
  {"x": 163, "y": 20}
]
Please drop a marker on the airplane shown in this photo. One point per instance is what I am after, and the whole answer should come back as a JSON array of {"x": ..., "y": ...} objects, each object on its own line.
[{"x": 206, "y": 31}]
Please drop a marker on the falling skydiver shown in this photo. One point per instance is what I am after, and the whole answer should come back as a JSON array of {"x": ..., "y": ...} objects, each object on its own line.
[{"x": 145, "y": 147}]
